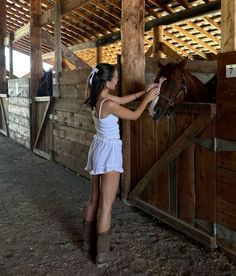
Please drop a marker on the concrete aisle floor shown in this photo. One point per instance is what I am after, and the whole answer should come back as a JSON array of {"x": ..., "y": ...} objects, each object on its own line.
[{"x": 41, "y": 207}]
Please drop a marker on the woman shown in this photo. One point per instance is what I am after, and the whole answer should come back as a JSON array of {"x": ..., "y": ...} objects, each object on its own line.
[{"x": 105, "y": 154}]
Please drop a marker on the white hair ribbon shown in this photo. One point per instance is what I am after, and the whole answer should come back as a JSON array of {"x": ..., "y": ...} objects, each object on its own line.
[{"x": 90, "y": 78}]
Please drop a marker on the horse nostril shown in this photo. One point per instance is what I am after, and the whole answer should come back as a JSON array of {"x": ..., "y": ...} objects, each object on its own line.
[
  {"x": 158, "y": 114},
  {"x": 158, "y": 111}
]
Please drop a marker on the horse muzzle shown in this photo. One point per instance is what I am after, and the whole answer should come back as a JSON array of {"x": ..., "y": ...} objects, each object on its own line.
[{"x": 159, "y": 113}]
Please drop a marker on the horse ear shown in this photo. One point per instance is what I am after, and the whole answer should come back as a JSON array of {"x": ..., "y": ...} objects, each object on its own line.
[{"x": 183, "y": 62}]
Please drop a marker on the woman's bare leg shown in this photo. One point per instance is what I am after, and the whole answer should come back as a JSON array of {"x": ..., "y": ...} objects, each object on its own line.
[
  {"x": 108, "y": 189},
  {"x": 93, "y": 201}
]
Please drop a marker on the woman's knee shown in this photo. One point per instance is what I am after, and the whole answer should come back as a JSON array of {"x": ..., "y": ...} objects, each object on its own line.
[
  {"x": 106, "y": 205},
  {"x": 93, "y": 200}
]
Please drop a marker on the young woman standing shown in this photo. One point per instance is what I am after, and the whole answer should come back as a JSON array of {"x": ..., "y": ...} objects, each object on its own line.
[{"x": 105, "y": 154}]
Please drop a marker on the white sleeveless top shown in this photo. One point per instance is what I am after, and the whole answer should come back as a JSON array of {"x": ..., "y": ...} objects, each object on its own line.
[{"x": 105, "y": 152}]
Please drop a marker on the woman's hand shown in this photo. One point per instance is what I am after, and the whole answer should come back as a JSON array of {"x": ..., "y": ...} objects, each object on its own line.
[
  {"x": 150, "y": 87},
  {"x": 153, "y": 91}
]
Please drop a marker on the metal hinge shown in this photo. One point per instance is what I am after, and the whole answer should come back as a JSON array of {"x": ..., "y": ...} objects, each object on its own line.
[
  {"x": 225, "y": 233},
  {"x": 216, "y": 144}
]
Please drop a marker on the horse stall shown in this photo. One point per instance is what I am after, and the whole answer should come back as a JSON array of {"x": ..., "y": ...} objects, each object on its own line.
[
  {"x": 180, "y": 172},
  {"x": 173, "y": 167},
  {"x": 19, "y": 111}
]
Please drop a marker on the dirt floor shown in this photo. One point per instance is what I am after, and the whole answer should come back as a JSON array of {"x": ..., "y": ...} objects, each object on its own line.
[{"x": 41, "y": 206}]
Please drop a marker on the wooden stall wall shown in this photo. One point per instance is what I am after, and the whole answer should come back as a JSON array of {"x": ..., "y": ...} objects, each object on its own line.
[
  {"x": 19, "y": 111},
  {"x": 179, "y": 153},
  {"x": 4, "y": 114},
  {"x": 226, "y": 155},
  {"x": 73, "y": 128}
]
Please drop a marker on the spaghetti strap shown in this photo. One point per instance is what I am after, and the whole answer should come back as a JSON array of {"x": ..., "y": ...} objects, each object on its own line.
[{"x": 100, "y": 108}]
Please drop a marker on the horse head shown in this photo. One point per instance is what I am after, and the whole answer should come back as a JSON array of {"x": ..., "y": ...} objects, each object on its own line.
[
  {"x": 176, "y": 85},
  {"x": 172, "y": 88}
]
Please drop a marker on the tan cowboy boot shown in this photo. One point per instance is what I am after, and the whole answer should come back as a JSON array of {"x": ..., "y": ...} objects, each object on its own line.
[
  {"x": 89, "y": 235},
  {"x": 104, "y": 252}
]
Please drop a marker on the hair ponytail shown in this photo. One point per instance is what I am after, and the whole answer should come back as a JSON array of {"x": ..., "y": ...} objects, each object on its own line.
[{"x": 97, "y": 79}]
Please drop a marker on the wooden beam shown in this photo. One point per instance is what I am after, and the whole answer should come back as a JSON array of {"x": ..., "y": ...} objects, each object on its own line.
[
  {"x": 158, "y": 4},
  {"x": 184, "y": 14},
  {"x": 157, "y": 39},
  {"x": 195, "y": 38},
  {"x": 176, "y": 223},
  {"x": 66, "y": 53},
  {"x": 47, "y": 17},
  {"x": 66, "y": 7},
  {"x": 18, "y": 34},
  {"x": 203, "y": 31},
  {"x": 13, "y": 76},
  {"x": 165, "y": 20},
  {"x": 42, "y": 124},
  {"x": 169, "y": 52},
  {"x": 35, "y": 60},
  {"x": 91, "y": 21},
  {"x": 185, "y": 44},
  {"x": 228, "y": 25},
  {"x": 167, "y": 47},
  {"x": 133, "y": 72},
  {"x": 149, "y": 52},
  {"x": 108, "y": 23},
  {"x": 99, "y": 55},
  {"x": 3, "y": 31},
  {"x": 107, "y": 10}
]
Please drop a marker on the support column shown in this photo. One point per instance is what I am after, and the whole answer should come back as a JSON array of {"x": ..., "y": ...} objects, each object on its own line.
[
  {"x": 3, "y": 30},
  {"x": 225, "y": 225},
  {"x": 228, "y": 25},
  {"x": 35, "y": 60},
  {"x": 57, "y": 40},
  {"x": 99, "y": 54},
  {"x": 157, "y": 39},
  {"x": 133, "y": 77},
  {"x": 11, "y": 39}
]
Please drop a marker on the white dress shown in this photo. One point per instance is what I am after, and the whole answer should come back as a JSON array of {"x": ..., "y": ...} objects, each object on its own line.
[{"x": 105, "y": 152}]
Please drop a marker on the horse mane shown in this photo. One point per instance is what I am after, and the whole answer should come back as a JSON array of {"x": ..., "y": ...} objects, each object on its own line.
[{"x": 198, "y": 92}]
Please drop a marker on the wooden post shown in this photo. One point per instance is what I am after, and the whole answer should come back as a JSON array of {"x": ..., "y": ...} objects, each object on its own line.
[
  {"x": 3, "y": 30},
  {"x": 228, "y": 25},
  {"x": 11, "y": 39},
  {"x": 35, "y": 59},
  {"x": 133, "y": 73},
  {"x": 157, "y": 39},
  {"x": 225, "y": 131},
  {"x": 99, "y": 54},
  {"x": 57, "y": 40}
]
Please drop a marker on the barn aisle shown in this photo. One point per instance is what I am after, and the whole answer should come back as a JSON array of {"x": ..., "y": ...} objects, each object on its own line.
[{"x": 41, "y": 205}]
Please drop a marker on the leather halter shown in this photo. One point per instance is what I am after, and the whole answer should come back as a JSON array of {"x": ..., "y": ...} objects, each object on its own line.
[{"x": 171, "y": 100}]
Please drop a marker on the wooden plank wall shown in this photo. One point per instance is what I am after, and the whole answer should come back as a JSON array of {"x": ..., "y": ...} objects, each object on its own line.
[
  {"x": 73, "y": 128},
  {"x": 226, "y": 160},
  {"x": 195, "y": 166},
  {"x": 19, "y": 111}
]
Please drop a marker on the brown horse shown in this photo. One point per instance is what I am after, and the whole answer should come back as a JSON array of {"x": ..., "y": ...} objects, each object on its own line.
[{"x": 178, "y": 85}]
